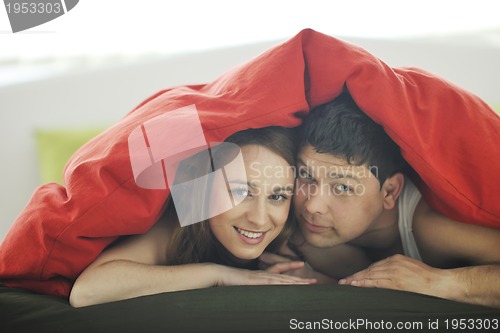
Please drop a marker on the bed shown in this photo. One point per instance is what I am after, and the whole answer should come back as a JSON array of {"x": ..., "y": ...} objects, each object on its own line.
[
  {"x": 245, "y": 309},
  {"x": 66, "y": 225}
]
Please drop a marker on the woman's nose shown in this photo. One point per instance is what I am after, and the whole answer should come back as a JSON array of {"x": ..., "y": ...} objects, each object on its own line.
[{"x": 257, "y": 213}]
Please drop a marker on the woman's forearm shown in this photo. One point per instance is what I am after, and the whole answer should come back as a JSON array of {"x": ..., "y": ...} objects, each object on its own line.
[{"x": 123, "y": 279}]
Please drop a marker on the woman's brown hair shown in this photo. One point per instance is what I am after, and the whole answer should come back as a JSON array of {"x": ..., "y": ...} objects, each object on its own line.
[{"x": 196, "y": 243}]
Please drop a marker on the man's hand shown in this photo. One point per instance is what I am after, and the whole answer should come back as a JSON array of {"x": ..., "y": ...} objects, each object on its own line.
[{"x": 399, "y": 272}]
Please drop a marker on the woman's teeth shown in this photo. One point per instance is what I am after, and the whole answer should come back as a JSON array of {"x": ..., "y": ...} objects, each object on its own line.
[{"x": 249, "y": 234}]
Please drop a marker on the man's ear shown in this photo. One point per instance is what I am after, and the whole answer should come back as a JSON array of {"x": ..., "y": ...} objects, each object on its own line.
[{"x": 391, "y": 189}]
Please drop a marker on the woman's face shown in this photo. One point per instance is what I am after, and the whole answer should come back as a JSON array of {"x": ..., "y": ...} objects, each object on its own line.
[{"x": 264, "y": 202}]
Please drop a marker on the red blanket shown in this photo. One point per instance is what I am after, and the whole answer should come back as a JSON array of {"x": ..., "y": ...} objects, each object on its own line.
[{"x": 447, "y": 134}]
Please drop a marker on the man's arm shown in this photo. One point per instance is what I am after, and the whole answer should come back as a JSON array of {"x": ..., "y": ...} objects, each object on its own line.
[
  {"x": 442, "y": 243},
  {"x": 475, "y": 248}
]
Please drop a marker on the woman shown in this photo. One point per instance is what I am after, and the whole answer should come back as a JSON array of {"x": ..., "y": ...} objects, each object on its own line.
[{"x": 223, "y": 250}]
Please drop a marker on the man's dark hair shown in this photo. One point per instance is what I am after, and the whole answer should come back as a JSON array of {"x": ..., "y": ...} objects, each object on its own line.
[{"x": 340, "y": 128}]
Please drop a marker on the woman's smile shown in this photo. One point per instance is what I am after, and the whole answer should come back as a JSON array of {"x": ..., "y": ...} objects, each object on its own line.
[{"x": 250, "y": 237}]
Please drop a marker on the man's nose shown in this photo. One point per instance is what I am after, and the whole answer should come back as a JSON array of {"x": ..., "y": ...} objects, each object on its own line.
[{"x": 316, "y": 201}]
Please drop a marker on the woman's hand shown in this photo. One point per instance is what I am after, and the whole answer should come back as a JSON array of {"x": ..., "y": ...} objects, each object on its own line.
[
  {"x": 229, "y": 276},
  {"x": 274, "y": 263}
]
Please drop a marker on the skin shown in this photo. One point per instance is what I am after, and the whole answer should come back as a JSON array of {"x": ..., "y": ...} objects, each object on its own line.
[
  {"x": 359, "y": 229},
  {"x": 136, "y": 265}
]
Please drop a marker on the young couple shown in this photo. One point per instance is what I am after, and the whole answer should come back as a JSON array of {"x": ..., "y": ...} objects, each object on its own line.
[{"x": 356, "y": 220}]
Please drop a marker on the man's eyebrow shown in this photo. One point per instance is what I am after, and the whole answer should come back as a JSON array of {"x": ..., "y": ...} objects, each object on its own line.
[
  {"x": 337, "y": 175},
  {"x": 333, "y": 174}
]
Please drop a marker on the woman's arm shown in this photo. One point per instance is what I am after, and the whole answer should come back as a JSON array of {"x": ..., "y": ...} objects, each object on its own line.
[{"x": 135, "y": 267}]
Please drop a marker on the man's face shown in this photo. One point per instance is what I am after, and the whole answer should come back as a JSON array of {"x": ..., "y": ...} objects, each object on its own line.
[{"x": 335, "y": 202}]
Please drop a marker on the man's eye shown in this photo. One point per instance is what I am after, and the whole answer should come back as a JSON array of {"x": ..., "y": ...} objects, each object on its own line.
[
  {"x": 341, "y": 188},
  {"x": 304, "y": 174}
]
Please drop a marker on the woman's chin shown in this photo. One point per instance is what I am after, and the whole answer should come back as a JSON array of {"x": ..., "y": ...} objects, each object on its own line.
[{"x": 248, "y": 254}]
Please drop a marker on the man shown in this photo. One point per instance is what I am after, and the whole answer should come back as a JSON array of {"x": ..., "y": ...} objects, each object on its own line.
[{"x": 362, "y": 221}]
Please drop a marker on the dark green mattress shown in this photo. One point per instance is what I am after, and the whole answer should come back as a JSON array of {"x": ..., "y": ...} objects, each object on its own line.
[{"x": 319, "y": 308}]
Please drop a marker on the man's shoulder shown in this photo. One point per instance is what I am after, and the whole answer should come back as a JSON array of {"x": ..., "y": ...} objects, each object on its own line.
[{"x": 429, "y": 223}]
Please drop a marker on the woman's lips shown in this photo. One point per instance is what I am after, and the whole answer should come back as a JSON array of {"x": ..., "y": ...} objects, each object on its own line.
[{"x": 250, "y": 237}]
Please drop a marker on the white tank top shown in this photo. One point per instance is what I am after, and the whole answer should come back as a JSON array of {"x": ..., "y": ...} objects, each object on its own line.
[{"x": 408, "y": 200}]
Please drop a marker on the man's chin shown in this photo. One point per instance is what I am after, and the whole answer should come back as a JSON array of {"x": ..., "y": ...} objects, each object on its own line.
[{"x": 320, "y": 241}]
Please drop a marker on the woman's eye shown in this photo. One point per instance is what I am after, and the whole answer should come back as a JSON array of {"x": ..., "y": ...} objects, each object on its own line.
[
  {"x": 278, "y": 197},
  {"x": 240, "y": 192},
  {"x": 341, "y": 188}
]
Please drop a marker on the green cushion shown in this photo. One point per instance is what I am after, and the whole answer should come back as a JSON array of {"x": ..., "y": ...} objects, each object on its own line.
[{"x": 56, "y": 146}]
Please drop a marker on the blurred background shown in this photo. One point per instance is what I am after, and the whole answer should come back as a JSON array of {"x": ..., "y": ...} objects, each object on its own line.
[{"x": 86, "y": 69}]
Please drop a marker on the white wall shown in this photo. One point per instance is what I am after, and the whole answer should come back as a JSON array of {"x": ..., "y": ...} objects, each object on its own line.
[{"x": 102, "y": 96}]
